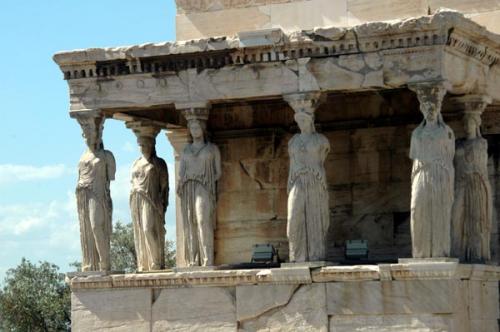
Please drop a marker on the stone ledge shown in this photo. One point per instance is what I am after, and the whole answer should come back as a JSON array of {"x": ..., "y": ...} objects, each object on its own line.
[{"x": 289, "y": 276}]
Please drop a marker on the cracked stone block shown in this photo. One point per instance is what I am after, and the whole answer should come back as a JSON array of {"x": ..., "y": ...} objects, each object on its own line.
[
  {"x": 204, "y": 309},
  {"x": 393, "y": 297},
  {"x": 253, "y": 301},
  {"x": 305, "y": 311},
  {"x": 111, "y": 310}
]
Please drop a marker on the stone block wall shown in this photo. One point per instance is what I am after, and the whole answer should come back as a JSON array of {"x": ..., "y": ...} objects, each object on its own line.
[
  {"x": 362, "y": 301},
  {"x": 209, "y": 18}
]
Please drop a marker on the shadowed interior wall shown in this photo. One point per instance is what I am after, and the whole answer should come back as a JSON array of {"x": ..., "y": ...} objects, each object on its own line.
[{"x": 368, "y": 172}]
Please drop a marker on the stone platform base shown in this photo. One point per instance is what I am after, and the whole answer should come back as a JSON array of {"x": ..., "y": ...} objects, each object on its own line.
[{"x": 434, "y": 296}]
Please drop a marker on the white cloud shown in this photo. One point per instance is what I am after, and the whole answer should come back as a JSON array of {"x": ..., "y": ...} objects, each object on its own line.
[
  {"x": 11, "y": 173},
  {"x": 129, "y": 147},
  {"x": 39, "y": 231},
  {"x": 20, "y": 219}
]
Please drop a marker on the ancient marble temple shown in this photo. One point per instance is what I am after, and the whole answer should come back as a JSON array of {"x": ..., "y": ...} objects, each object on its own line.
[{"x": 302, "y": 128}]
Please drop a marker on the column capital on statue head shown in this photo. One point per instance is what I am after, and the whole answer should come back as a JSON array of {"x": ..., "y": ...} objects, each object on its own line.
[
  {"x": 430, "y": 94},
  {"x": 430, "y": 89},
  {"x": 91, "y": 121},
  {"x": 86, "y": 114},
  {"x": 305, "y": 102},
  {"x": 197, "y": 110},
  {"x": 471, "y": 103},
  {"x": 143, "y": 128}
]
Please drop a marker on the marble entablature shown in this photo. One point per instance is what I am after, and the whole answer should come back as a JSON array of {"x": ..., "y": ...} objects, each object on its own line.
[{"x": 445, "y": 46}]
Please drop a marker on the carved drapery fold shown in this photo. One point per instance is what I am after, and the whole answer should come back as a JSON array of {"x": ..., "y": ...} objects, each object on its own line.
[{"x": 432, "y": 149}]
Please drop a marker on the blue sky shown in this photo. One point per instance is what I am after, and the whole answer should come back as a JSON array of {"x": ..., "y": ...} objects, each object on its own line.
[{"x": 40, "y": 145}]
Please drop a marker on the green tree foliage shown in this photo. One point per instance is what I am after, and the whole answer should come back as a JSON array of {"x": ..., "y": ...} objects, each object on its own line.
[
  {"x": 123, "y": 256},
  {"x": 34, "y": 298}
]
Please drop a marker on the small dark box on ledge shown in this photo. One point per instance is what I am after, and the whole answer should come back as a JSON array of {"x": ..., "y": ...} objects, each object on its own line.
[{"x": 356, "y": 249}]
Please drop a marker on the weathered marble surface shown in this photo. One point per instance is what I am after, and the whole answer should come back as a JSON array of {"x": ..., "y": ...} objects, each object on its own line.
[
  {"x": 368, "y": 129},
  {"x": 194, "y": 18},
  {"x": 437, "y": 297},
  {"x": 473, "y": 205},
  {"x": 186, "y": 6},
  {"x": 205, "y": 309},
  {"x": 199, "y": 171},
  {"x": 432, "y": 149},
  {"x": 304, "y": 311},
  {"x": 330, "y": 59},
  {"x": 119, "y": 310},
  {"x": 96, "y": 170},
  {"x": 149, "y": 201},
  {"x": 308, "y": 217}
]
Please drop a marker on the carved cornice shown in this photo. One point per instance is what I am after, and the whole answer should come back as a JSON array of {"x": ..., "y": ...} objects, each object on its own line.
[
  {"x": 470, "y": 103},
  {"x": 143, "y": 129},
  {"x": 300, "y": 275},
  {"x": 190, "y": 279},
  {"x": 467, "y": 38},
  {"x": 346, "y": 273},
  {"x": 468, "y": 47}
]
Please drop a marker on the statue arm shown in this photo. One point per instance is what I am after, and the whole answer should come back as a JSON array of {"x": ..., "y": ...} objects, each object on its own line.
[
  {"x": 110, "y": 165},
  {"x": 217, "y": 159},
  {"x": 292, "y": 166},
  {"x": 326, "y": 148},
  {"x": 451, "y": 135},
  {"x": 164, "y": 184},
  {"x": 182, "y": 172}
]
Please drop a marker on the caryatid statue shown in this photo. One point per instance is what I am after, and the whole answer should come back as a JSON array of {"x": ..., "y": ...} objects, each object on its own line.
[
  {"x": 308, "y": 210},
  {"x": 95, "y": 171},
  {"x": 148, "y": 200},
  {"x": 432, "y": 150},
  {"x": 199, "y": 171},
  {"x": 472, "y": 209}
]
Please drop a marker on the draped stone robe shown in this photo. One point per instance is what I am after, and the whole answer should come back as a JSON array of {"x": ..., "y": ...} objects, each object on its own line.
[
  {"x": 95, "y": 170},
  {"x": 148, "y": 203},
  {"x": 197, "y": 190},
  {"x": 432, "y": 150},
  {"x": 472, "y": 209},
  {"x": 308, "y": 211}
]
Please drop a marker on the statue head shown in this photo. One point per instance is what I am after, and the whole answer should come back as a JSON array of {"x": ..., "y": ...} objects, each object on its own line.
[
  {"x": 147, "y": 146},
  {"x": 305, "y": 121},
  {"x": 197, "y": 128},
  {"x": 472, "y": 124}
]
